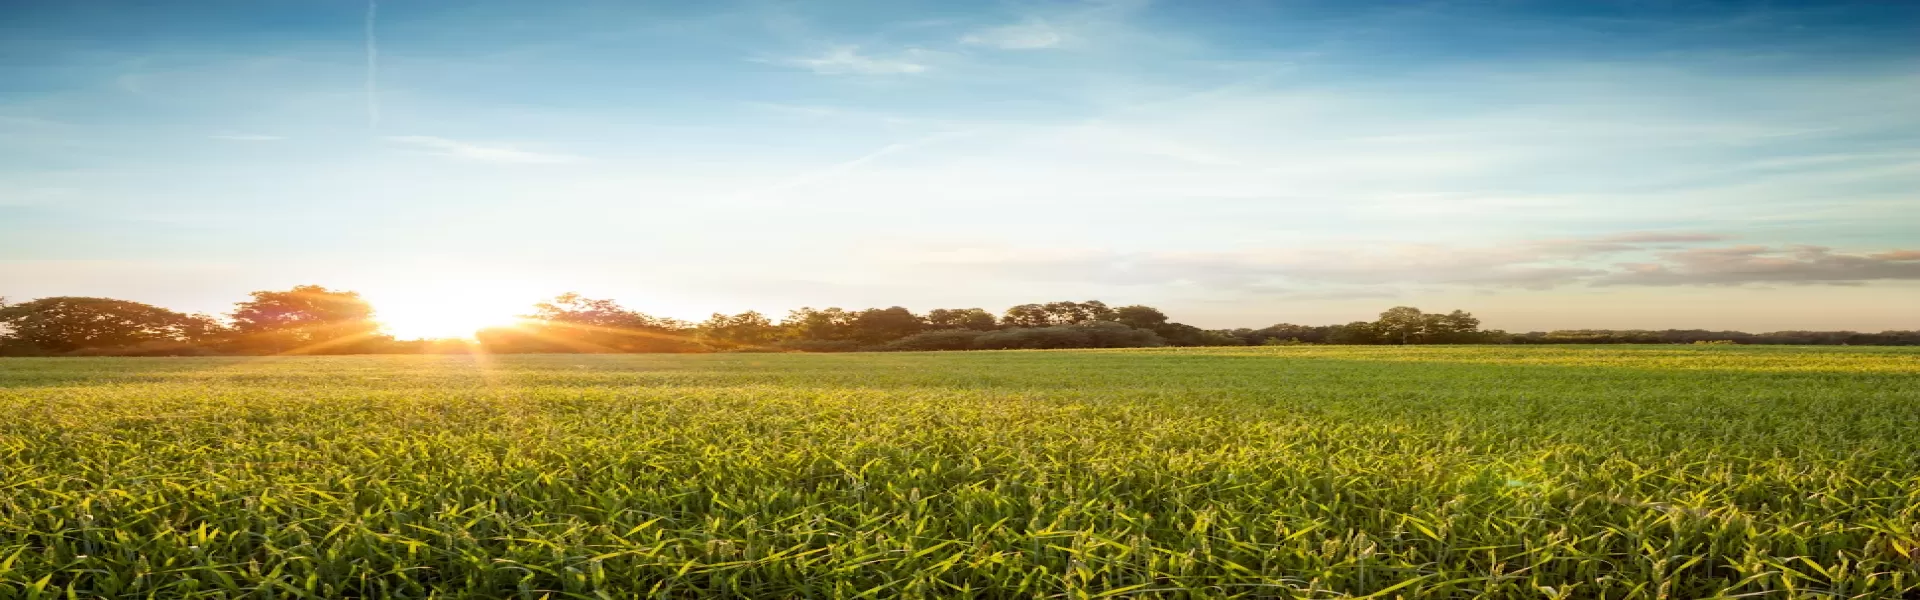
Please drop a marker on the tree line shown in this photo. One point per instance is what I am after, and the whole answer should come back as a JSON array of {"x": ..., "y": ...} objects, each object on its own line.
[{"x": 317, "y": 320}]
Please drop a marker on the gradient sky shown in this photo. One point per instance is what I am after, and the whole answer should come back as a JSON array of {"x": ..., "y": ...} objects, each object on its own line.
[{"x": 1641, "y": 164}]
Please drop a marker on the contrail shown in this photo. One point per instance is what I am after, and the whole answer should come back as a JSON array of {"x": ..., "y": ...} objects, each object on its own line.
[
  {"x": 373, "y": 70},
  {"x": 852, "y": 165}
]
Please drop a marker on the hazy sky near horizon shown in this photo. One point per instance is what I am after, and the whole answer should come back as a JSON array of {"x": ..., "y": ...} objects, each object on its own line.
[{"x": 1750, "y": 165}]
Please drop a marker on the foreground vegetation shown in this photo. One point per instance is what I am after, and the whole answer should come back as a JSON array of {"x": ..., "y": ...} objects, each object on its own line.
[{"x": 1311, "y": 471}]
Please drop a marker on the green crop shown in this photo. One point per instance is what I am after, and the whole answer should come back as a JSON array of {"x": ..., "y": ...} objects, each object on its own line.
[{"x": 1309, "y": 472}]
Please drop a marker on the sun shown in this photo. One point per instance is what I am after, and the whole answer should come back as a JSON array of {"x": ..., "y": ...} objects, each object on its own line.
[{"x": 429, "y": 312}]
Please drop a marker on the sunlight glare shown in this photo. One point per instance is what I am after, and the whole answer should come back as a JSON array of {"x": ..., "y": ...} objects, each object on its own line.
[{"x": 447, "y": 311}]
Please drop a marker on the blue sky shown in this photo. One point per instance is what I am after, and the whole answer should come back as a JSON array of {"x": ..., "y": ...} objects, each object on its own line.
[{"x": 1748, "y": 165}]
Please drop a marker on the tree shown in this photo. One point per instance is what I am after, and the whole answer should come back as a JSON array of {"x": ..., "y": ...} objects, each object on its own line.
[
  {"x": 1357, "y": 332},
  {"x": 70, "y": 323},
  {"x": 1285, "y": 333},
  {"x": 1140, "y": 317},
  {"x": 1400, "y": 325},
  {"x": 961, "y": 318},
  {"x": 574, "y": 323},
  {"x": 307, "y": 318},
  {"x": 1407, "y": 325},
  {"x": 806, "y": 323},
  {"x": 1457, "y": 327},
  {"x": 1026, "y": 315},
  {"x": 1174, "y": 334},
  {"x": 1068, "y": 313},
  {"x": 747, "y": 329},
  {"x": 574, "y": 309},
  {"x": 882, "y": 324}
]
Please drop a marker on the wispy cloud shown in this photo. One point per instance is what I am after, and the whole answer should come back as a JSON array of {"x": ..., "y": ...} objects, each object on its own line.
[
  {"x": 847, "y": 60},
  {"x": 479, "y": 152},
  {"x": 1032, "y": 35},
  {"x": 1761, "y": 264},
  {"x": 245, "y": 137}
]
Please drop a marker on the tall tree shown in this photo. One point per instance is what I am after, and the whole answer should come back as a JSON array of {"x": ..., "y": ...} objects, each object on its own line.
[
  {"x": 69, "y": 323},
  {"x": 307, "y": 318}
]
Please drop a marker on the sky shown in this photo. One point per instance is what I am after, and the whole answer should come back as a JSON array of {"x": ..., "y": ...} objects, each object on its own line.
[{"x": 1239, "y": 163}]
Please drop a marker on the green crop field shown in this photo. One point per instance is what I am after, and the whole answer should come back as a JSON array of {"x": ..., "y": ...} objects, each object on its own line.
[{"x": 1311, "y": 472}]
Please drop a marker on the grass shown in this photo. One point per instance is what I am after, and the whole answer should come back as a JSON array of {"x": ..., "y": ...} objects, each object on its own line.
[{"x": 1311, "y": 472}]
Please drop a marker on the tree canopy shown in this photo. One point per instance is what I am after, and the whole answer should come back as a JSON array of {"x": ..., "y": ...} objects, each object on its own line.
[
  {"x": 71, "y": 323},
  {"x": 306, "y": 319}
]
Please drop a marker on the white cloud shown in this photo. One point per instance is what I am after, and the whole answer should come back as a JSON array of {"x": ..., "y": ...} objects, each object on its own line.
[
  {"x": 1031, "y": 35},
  {"x": 847, "y": 60},
  {"x": 479, "y": 152},
  {"x": 245, "y": 137}
]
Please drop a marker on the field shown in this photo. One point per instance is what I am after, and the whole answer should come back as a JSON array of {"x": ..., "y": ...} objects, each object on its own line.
[{"x": 1312, "y": 472}]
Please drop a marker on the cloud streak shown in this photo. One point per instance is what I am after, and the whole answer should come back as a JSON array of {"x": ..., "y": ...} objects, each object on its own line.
[
  {"x": 848, "y": 166},
  {"x": 847, "y": 60},
  {"x": 1740, "y": 265},
  {"x": 1532, "y": 264},
  {"x": 1033, "y": 35},
  {"x": 493, "y": 153}
]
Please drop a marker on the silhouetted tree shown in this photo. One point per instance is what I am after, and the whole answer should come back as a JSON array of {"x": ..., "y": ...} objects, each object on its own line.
[{"x": 573, "y": 323}]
